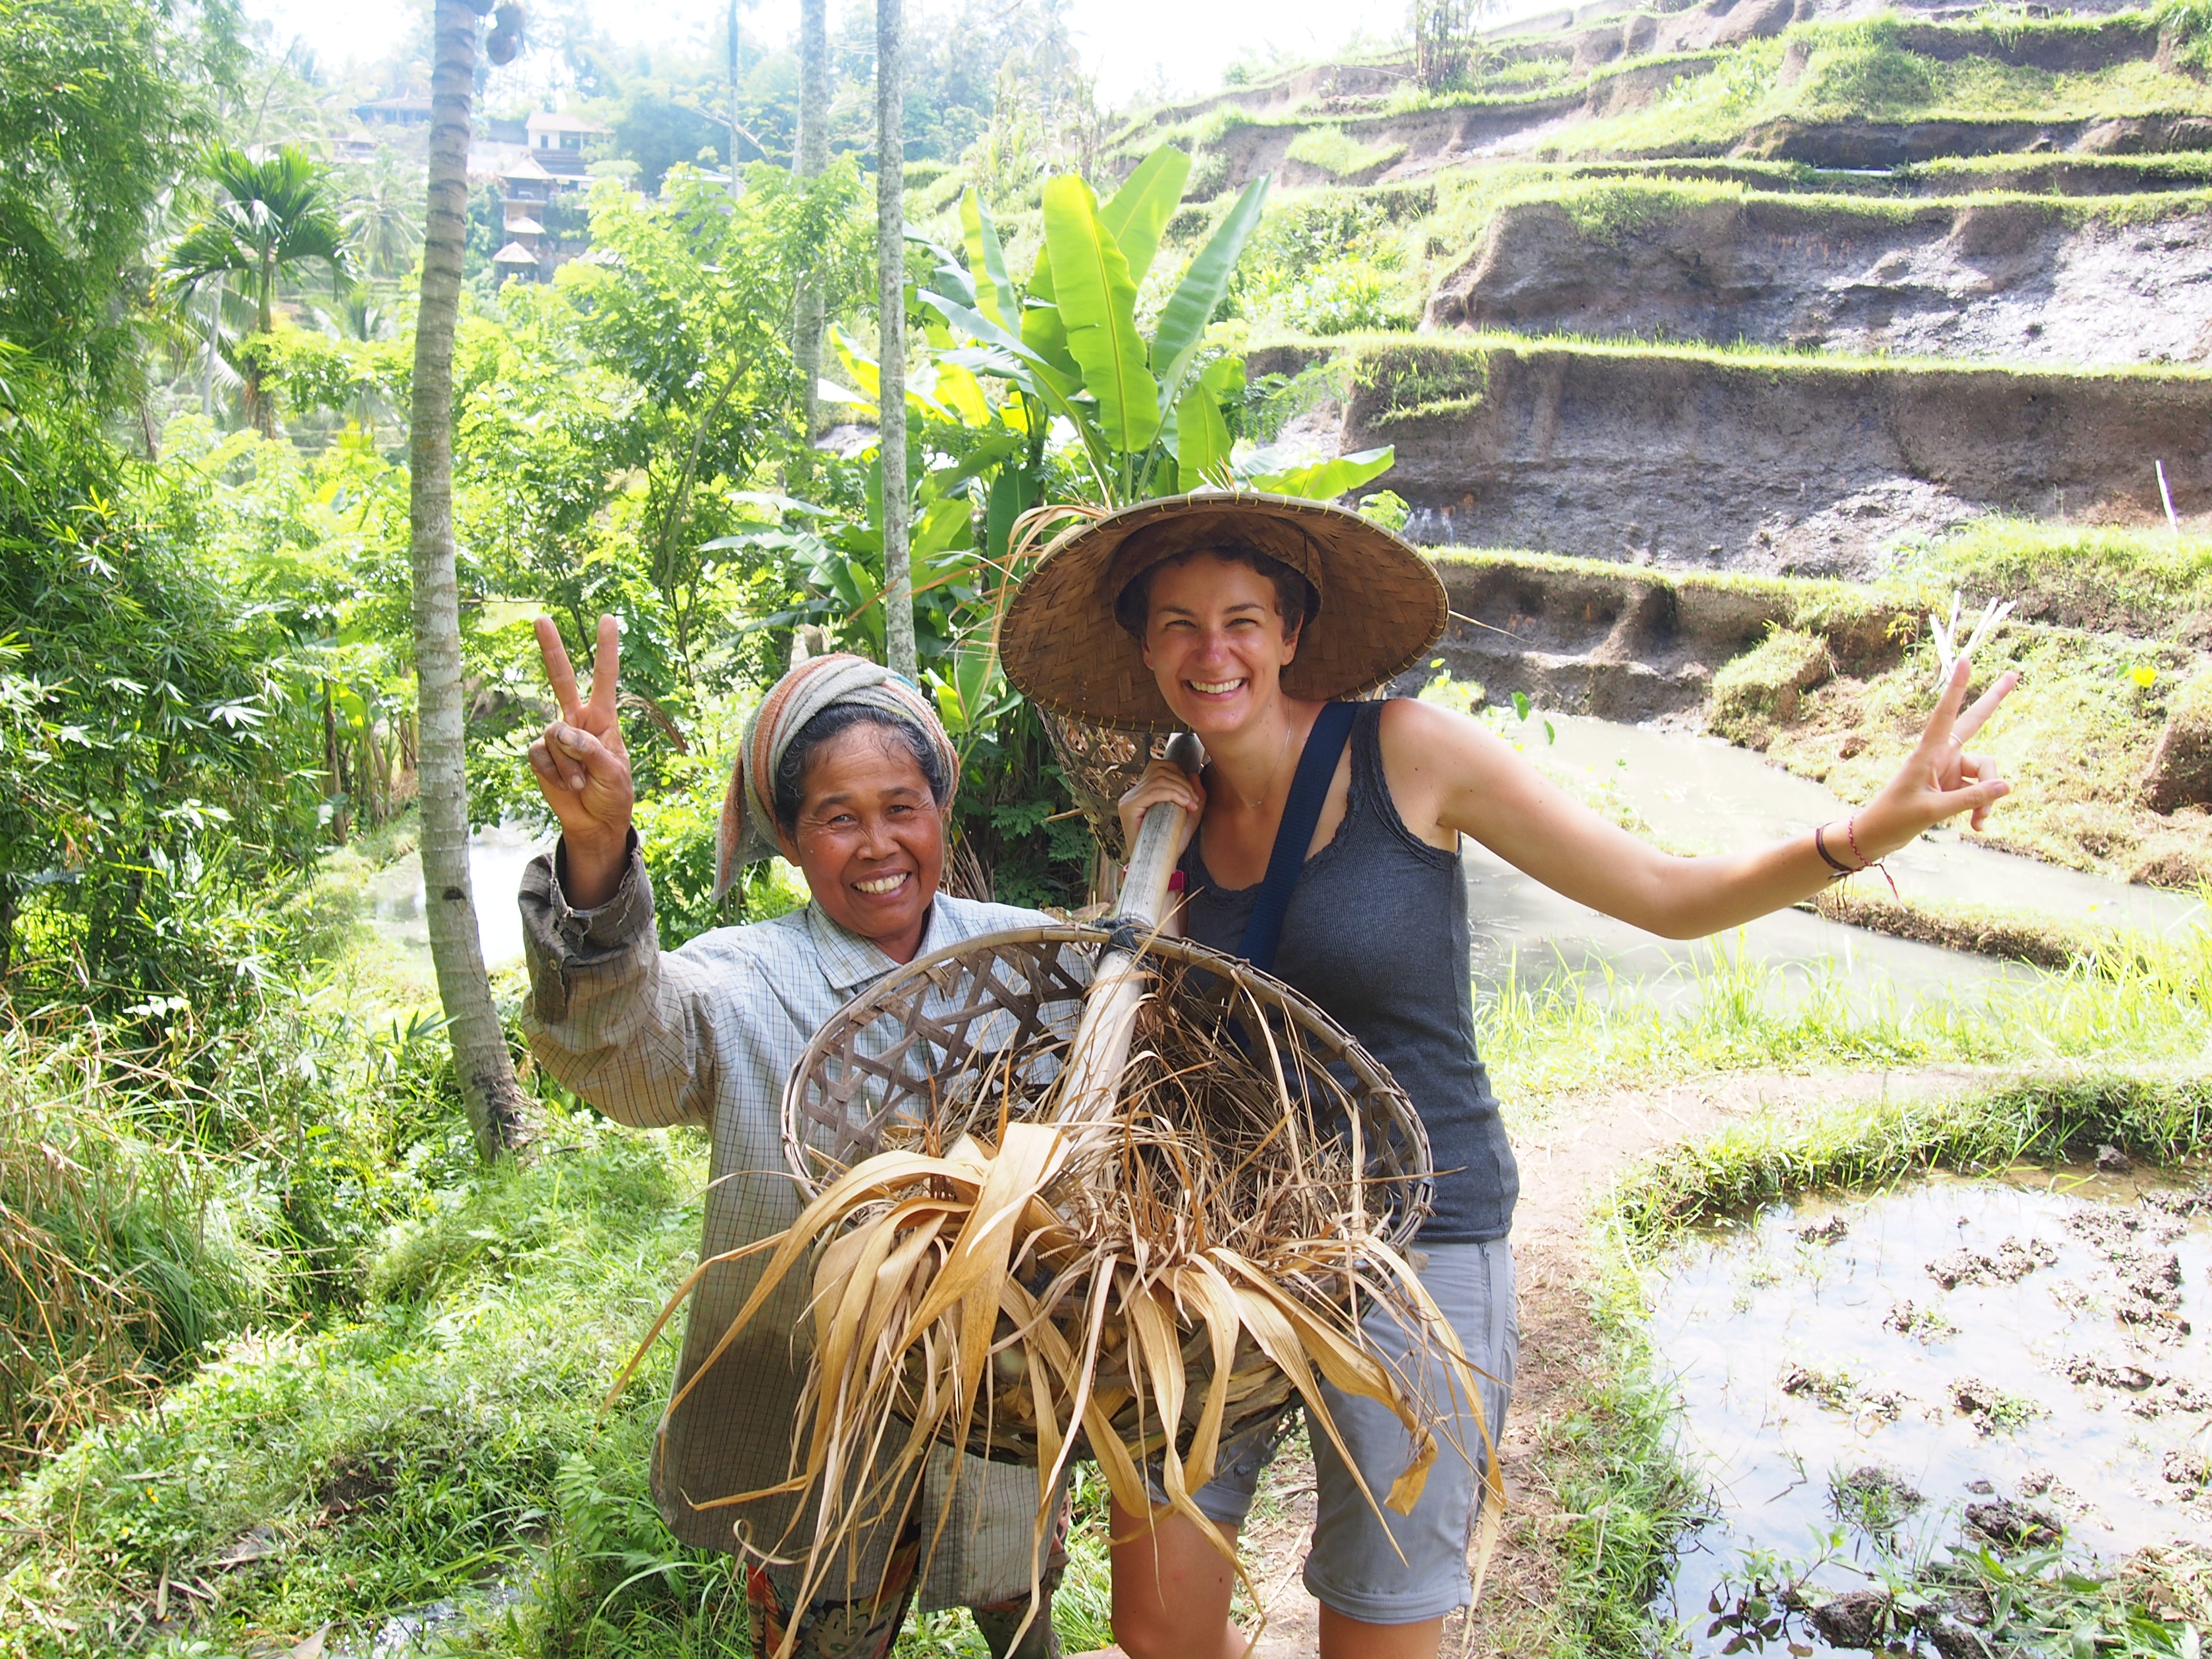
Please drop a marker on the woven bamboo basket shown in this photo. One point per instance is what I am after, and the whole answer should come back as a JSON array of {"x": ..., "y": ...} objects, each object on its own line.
[{"x": 938, "y": 1049}]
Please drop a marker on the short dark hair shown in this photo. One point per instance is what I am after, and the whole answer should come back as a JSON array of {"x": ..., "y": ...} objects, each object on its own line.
[
  {"x": 789, "y": 791},
  {"x": 1296, "y": 602}
]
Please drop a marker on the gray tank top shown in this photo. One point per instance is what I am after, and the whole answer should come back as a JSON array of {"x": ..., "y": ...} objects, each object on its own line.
[{"x": 1377, "y": 934}]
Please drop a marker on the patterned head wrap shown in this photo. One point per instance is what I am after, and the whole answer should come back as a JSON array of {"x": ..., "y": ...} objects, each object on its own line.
[{"x": 748, "y": 828}]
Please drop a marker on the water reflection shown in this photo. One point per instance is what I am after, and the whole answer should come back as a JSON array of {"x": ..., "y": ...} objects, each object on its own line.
[
  {"x": 496, "y": 858},
  {"x": 1963, "y": 1343}
]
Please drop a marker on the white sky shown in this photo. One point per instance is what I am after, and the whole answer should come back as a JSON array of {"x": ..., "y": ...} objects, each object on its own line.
[{"x": 1128, "y": 43}]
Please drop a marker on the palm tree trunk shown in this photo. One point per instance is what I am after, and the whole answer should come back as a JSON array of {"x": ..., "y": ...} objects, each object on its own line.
[
  {"x": 496, "y": 1106},
  {"x": 890, "y": 306},
  {"x": 810, "y": 159}
]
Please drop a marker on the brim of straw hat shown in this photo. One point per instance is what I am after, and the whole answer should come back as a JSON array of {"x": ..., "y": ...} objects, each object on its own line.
[{"x": 1382, "y": 604}]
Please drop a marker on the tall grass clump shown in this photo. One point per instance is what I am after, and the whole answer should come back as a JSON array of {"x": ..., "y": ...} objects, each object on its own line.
[
  {"x": 2159, "y": 1117},
  {"x": 166, "y": 1184},
  {"x": 446, "y": 1433},
  {"x": 1726, "y": 1008}
]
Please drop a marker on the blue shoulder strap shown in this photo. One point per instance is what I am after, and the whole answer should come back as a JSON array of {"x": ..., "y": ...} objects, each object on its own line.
[{"x": 1301, "y": 812}]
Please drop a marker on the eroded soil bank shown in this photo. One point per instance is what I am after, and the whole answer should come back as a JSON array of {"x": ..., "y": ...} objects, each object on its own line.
[
  {"x": 2020, "y": 281},
  {"x": 1697, "y": 457}
]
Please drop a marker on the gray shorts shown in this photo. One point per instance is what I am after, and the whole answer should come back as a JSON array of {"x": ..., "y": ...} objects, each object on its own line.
[{"x": 1353, "y": 1568}]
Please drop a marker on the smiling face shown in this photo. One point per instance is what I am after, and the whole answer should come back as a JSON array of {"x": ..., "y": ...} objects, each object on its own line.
[
  {"x": 1216, "y": 641},
  {"x": 870, "y": 838}
]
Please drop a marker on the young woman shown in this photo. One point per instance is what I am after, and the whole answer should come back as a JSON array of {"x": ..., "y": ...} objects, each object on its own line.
[
  {"x": 1242, "y": 618},
  {"x": 845, "y": 770}
]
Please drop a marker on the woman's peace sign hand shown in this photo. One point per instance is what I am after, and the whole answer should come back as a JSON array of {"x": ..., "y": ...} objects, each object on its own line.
[
  {"x": 1940, "y": 779},
  {"x": 582, "y": 769}
]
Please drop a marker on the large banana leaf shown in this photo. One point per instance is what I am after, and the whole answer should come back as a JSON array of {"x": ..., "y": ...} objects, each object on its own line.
[
  {"x": 1097, "y": 300},
  {"x": 1202, "y": 441},
  {"x": 986, "y": 263},
  {"x": 1324, "y": 481},
  {"x": 1137, "y": 215},
  {"x": 1192, "y": 306}
]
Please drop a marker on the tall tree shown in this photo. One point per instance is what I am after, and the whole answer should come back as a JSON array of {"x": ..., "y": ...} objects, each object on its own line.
[
  {"x": 891, "y": 350},
  {"x": 495, "y": 1104},
  {"x": 273, "y": 216},
  {"x": 810, "y": 159},
  {"x": 102, "y": 105}
]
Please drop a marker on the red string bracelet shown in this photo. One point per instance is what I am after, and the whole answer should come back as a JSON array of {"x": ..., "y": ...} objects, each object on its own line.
[{"x": 1852, "y": 835}]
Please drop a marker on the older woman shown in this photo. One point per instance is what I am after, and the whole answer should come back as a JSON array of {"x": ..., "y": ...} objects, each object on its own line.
[
  {"x": 1327, "y": 848},
  {"x": 846, "y": 770}
]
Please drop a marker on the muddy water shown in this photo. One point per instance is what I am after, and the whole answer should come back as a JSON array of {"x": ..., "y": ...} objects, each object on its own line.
[
  {"x": 1702, "y": 794},
  {"x": 2040, "y": 1341},
  {"x": 497, "y": 857}
]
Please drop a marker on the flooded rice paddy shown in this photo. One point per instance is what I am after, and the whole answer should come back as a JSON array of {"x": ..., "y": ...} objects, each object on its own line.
[
  {"x": 1704, "y": 794},
  {"x": 2014, "y": 1364}
]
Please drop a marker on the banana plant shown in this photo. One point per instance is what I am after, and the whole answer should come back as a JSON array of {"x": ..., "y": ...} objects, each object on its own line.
[{"x": 1067, "y": 341}]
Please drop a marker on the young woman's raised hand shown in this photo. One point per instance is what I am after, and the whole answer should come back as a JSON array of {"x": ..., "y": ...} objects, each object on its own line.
[
  {"x": 1162, "y": 783},
  {"x": 1940, "y": 779},
  {"x": 582, "y": 768}
]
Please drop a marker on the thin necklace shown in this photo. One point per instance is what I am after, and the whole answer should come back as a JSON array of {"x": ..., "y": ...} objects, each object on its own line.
[{"x": 1289, "y": 731}]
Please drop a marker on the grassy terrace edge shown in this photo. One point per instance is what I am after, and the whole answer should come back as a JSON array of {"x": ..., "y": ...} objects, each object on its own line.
[{"x": 1374, "y": 349}]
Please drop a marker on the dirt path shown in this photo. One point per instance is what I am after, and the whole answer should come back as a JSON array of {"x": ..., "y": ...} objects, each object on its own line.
[{"x": 1565, "y": 1166}]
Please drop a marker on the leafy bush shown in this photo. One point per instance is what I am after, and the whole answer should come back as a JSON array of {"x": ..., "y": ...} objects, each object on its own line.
[{"x": 157, "y": 792}]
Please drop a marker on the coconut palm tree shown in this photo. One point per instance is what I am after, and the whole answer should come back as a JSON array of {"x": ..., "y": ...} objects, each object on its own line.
[
  {"x": 810, "y": 159},
  {"x": 271, "y": 217},
  {"x": 384, "y": 216},
  {"x": 890, "y": 355},
  {"x": 497, "y": 1109}
]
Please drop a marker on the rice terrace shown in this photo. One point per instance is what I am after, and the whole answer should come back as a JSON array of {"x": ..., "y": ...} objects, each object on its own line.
[{"x": 623, "y": 1024}]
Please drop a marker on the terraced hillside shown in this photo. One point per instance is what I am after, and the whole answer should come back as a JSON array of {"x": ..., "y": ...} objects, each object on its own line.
[{"x": 1861, "y": 307}]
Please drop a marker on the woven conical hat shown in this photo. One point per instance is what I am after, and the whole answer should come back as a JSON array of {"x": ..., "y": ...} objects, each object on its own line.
[{"x": 1381, "y": 604}]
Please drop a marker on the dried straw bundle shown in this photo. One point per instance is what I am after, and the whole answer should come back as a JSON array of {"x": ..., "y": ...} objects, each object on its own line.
[{"x": 1011, "y": 1258}]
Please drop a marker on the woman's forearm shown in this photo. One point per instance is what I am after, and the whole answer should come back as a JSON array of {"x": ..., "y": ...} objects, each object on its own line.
[{"x": 1693, "y": 898}]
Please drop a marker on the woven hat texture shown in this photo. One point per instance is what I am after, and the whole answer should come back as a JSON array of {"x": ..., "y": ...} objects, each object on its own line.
[
  {"x": 747, "y": 831},
  {"x": 1382, "y": 605}
]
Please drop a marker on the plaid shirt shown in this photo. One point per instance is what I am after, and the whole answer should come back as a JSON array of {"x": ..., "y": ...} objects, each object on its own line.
[{"x": 708, "y": 1035}]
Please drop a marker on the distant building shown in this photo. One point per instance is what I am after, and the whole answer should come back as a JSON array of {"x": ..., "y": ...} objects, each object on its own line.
[
  {"x": 527, "y": 191},
  {"x": 394, "y": 113},
  {"x": 556, "y": 140}
]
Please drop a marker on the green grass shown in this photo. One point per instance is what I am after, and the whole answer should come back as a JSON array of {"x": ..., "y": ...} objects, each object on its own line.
[
  {"x": 1391, "y": 360},
  {"x": 2159, "y": 1116},
  {"x": 1862, "y": 72},
  {"x": 2103, "y": 578},
  {"x": 1333, "y": 151},
  {"x": 2010, "y": 931},
  {"x": 1549, "y": 1036},
  {"x": 1617, "y": 1493},
  {"x": 392, "y": 1458}
]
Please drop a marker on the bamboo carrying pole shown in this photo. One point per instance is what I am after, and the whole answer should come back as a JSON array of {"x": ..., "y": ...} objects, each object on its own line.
[{"x": 1101, "y": 1048}]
